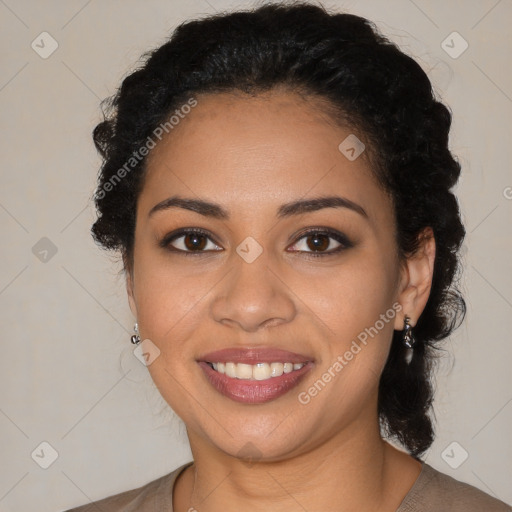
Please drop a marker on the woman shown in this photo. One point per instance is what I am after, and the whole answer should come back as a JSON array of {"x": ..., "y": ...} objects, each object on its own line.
[{"x": 278, "y": 184}]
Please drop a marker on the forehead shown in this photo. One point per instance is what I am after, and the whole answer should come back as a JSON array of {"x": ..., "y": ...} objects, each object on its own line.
[{"x": 250, "y": 152}]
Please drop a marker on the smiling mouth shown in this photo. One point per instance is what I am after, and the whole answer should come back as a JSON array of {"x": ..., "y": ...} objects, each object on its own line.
[
  {"x": 258, "y": 371},
  {"x": 258, "y": 386}
]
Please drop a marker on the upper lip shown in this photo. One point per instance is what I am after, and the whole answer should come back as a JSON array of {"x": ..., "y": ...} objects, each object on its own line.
[{"x": 253, "y": 356}]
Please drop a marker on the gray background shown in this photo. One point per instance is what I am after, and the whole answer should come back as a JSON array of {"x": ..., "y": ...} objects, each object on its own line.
[{"x": 68, "y": 376}]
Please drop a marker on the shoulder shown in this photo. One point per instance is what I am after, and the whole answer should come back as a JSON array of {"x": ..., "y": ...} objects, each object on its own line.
[
  {"x": 434, "y": 491},
  {"x": 155, "y": 495}
]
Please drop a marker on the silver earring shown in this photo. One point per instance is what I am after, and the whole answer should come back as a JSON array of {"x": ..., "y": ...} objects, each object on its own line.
[
  {"x": 135, "y": 339},
  {"x": 408, "y": 338}
]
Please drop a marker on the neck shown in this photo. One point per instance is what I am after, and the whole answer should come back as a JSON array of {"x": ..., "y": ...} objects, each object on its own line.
[{"x": 353, "y": 470}]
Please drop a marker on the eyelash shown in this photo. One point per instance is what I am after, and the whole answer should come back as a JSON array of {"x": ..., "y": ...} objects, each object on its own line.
[{"x": 338, "y": 237}]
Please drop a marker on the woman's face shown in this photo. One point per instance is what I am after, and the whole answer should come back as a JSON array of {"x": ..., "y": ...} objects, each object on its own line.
[{"x": 253, "y": 282}]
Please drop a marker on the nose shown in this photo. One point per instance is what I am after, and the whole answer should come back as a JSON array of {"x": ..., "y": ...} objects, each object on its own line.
[{"x": 252, "y": 297}]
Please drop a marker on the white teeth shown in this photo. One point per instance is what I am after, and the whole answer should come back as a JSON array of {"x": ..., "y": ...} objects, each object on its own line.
[
  {"x": 261, "y": 371},
  {"x": 243, "y": 371},
  {"x": 258, "y": 371},
  {"x": 230, "y": 369},
  {"x": 276, "y": 369}
]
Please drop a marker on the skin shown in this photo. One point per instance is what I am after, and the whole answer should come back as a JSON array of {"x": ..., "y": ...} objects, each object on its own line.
[{"x": 250, "y": 155}]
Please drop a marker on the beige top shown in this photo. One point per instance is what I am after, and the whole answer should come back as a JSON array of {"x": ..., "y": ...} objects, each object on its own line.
[{"x": 433, "y": 491}]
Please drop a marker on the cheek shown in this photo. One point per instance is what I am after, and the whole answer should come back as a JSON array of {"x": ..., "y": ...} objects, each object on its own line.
[
  {"x": 170, "y": 311},
  {"x": 170, "y": 308},
  {"x": 355, "y": 303},
  {"x": 352, "y": 296},
  {"x": 168, "y": 301}
]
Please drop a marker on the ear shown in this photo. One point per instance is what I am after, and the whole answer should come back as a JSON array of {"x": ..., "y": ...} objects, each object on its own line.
[
  {"x": 130, "y": 288},
  {"x": 416, "y": 279}
]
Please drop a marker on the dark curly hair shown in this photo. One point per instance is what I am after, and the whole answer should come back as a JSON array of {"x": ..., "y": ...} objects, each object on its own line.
[{"x": 370, "y": 85}]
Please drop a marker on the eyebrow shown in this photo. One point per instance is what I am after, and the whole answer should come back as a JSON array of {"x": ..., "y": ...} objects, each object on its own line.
[{"x": 213, "y": 210}]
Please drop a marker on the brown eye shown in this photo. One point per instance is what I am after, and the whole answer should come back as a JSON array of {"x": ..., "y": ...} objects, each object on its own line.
[
  {"x": 322, "y": 243},
  {"x": 194, "y": 241},
  {"x": 318, "y": 242},
  {"x": 189, "y": 241}
]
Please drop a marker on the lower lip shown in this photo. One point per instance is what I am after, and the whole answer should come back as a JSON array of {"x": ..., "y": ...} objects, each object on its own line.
[{"x": 254, "y": 391}]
